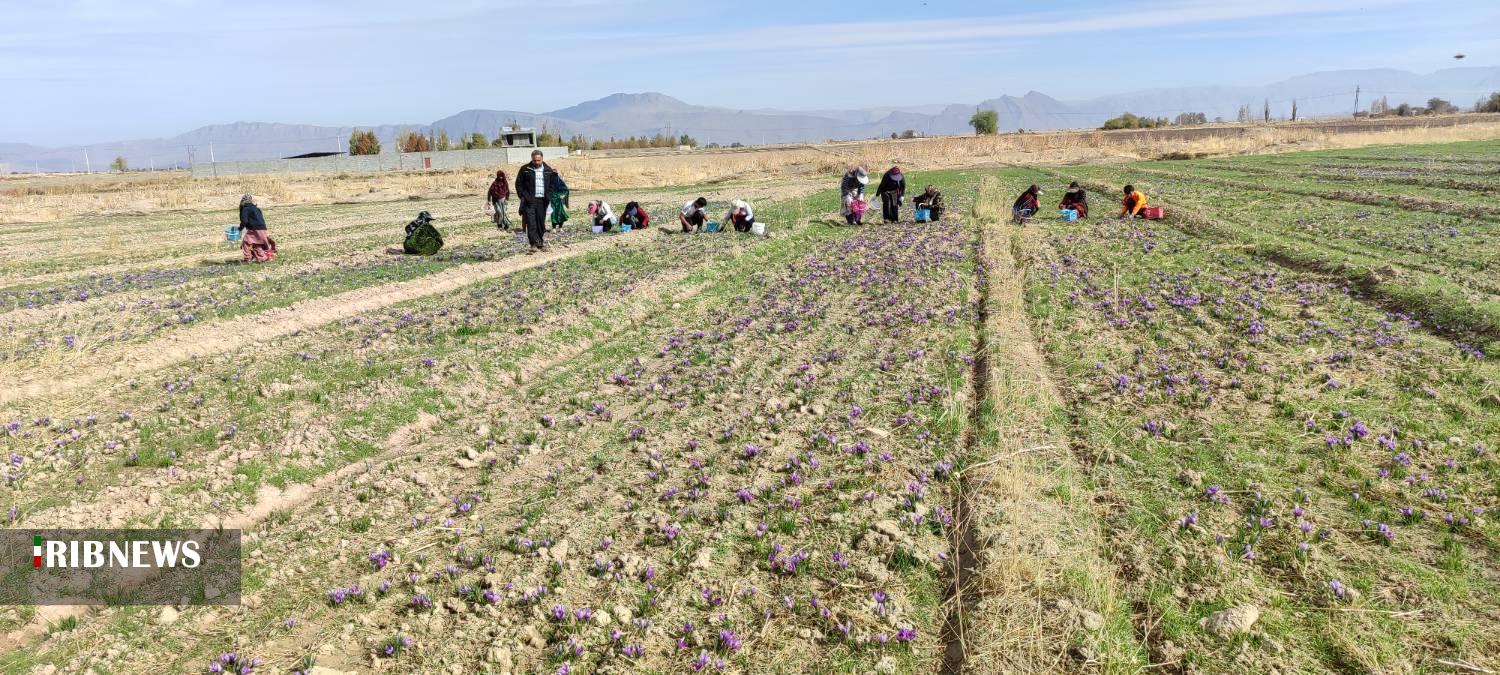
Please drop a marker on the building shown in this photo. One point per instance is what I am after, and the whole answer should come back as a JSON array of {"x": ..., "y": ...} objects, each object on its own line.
[{"x": 517, "y": 137}]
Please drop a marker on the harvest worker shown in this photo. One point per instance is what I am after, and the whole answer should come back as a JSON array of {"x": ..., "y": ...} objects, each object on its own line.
[
  {"x": 852, "y": 190},
  {"x": 421, "y": 237},
  {"x": 740, "y": 215},
  {"x": 635, "y": 216},
  {"x": 932, "y": 200},
  {"x": 255, "y": 244},
  {"x": 1133, "y": 204},
  {"x": 891, "y": 191},
  {"x": 1027, "y": 204},
  {"x": 1075, "y": 199},
  {"x": 498, "y": 196},
  {"x": 692, "y": 215},
  {"x": 557, "y": 208},
  {"x": 604, "y": 217},
  {"x": 535, "y": 184}
]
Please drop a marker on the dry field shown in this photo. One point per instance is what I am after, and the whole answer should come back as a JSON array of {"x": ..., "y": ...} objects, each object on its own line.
[
  {"x": 50, "y": 198},
  {"x": 1257, "y": 436}
]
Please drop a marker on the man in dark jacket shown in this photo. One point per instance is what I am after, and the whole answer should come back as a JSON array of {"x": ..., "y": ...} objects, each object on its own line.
[{"x": 534, "y": 185}]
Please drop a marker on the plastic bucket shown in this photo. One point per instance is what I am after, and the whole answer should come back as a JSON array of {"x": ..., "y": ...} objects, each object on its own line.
[
  {"x": 758, "y": 228},
  {"x": 624, "y": 227},
  {"x": 711, "y": 227},
  {"x": 923, "y": 214},
  {"x": 1069, "y": 215},
  {"x": 232, "y": 234},
  {"x": 598, "y": 229},
  {"x": 1153, "y": 213}
]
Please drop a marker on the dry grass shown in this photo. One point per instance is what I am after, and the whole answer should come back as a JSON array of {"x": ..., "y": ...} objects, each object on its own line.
[
  {"x": 33, "y": 199},
  {"x": 1041, "y": 578}
]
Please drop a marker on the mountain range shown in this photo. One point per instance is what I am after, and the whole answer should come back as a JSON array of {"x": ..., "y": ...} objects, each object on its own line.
[{"x": 620, "y": 115}]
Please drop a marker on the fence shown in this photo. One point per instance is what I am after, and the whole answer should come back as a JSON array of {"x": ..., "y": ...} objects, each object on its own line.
[{"x": 392, "y": 161}]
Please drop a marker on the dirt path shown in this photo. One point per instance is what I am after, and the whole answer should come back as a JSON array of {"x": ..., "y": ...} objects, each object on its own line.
[{"x": 234, "y": 334}]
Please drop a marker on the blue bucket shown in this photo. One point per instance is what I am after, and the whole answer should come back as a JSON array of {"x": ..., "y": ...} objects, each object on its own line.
[
  {"x": 624, "y": 227},
  {"x": 923, "y": 214},
  {"x": 711, "y": 227},
  {"x": 232, "y": 234},
  {"x": 1069, "y": 215}
]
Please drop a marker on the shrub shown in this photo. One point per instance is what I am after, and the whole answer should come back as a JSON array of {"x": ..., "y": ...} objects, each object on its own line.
[
  {"x": 985, "y": 122},
  {"x": 363, "y": 143},
  {"x": 119, "y": 165},
  {"x": 1490, "y": 105},
  {"x": 412, "y": 142}
]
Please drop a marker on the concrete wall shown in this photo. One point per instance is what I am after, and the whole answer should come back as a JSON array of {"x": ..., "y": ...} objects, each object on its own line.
[{"x": 391, "y": 161}]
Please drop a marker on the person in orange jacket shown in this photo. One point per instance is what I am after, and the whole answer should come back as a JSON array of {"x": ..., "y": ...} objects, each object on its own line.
[{"x": 1134, "y": 203}]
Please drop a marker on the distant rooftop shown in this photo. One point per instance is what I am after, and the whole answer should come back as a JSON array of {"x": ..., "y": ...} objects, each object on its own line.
[{"x": 315, "y": 154}]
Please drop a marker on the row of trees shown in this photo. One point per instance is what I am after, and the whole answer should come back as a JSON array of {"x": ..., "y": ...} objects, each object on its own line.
[{"x": 1435, "y": 106}]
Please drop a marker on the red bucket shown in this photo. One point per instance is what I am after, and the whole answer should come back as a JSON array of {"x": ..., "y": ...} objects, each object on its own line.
[{"x": 1153, "y": 213}]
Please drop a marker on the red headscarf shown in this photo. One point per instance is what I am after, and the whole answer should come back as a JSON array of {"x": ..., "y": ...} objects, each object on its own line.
[{"x": 500, "y": 189}]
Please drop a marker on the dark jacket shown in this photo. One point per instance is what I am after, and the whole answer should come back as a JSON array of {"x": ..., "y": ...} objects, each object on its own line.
[
  {"x": 1027, "y": 200},
  {"x": 525, "y": 186},
  {"x": 892, "y": 183},
  {"x": 251, "y": 217}
]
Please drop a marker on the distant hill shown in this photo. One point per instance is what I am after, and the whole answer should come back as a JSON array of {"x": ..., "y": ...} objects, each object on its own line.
[{"x": 647, "y": 114}]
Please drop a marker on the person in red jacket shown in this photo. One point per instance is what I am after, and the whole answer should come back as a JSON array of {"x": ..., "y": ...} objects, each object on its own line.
[
  {"x": 635, "y": 216},
  {"x": 1076, "y": 199}
]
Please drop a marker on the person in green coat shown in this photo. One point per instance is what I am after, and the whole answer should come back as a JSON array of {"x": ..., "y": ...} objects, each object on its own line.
[
  {"x": 558, "y": 202},
  {"x": 421, "y": 237}
]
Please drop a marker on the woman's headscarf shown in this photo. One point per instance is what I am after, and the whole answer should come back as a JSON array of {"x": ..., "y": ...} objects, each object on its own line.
[
  {"x": 500, "y": 189},
  {"x": 247, "y": 200}
]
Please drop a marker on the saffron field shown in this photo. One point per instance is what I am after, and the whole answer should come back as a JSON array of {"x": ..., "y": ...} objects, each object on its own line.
[{"x": 1256, "y": 436}]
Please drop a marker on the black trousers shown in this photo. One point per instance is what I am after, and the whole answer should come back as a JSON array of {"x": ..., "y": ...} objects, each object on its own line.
[
  {"x": 534, "y": 217},
  {"x": 890, "y": 207}
]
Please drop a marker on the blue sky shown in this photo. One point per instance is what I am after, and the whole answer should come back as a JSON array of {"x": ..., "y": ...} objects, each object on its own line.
[{"x": 82, "y": 71}]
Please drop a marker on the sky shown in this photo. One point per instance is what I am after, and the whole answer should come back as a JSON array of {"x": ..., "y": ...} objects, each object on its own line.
[{"x": 86, "y": 71}]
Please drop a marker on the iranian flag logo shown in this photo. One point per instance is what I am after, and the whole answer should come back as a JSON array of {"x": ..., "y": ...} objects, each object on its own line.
[{"x": 36, "y": 551}]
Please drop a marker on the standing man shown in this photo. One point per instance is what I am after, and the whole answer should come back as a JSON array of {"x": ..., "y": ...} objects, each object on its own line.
[{"x": 534, "y": 184}]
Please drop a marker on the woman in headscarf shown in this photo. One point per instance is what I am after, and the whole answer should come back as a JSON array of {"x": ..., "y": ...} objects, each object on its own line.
[
  {"x": 255, "y": 244},
  {"x": 852, "y": 189},
  {"x": 557, "y": 209},
  {"x": 932, "y": 200},
  {"x": 891, "y": 191},
  {"x": 740, "y": 215},
  {"x": 1133, "y": 204},
  {"x": 498, "y": 196},
  {"x": 604, "y": 217},
  {"x": 1076, "y": 199},
  {"x": 1027, "y": 204},
  {"x": 421, "y": 237},
  {"x": 635, "y": 216}
]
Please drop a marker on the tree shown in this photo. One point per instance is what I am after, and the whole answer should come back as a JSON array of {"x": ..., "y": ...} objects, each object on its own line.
[
  {"x": 909, "y": 133},
  {"x": 985, "y": 122},
  {"x": 1294, "y": 110},
  {"x": 1437, "y": 106},
  {"x": 363, "y": 143},
  {"x": 119, "y": 165},
  {"x": 1490, "y": 105},
  {"x": 1266, "y": 114},
  {"x": 1403, "y": 110},
  {"x": 1244, "y": 114},
  {"x": 409, "y": 141},
  {"x": 1190, "y": 118},
  {"x": 476, "y": 140},
  {"x": 442, "y": 141},
  {"x": 687, "y": 140}
]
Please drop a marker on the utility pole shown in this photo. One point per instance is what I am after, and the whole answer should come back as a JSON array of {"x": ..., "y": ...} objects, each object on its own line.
[
  {"x": 1356, "y": 100},
  {"x": 87, "y": 168}
]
